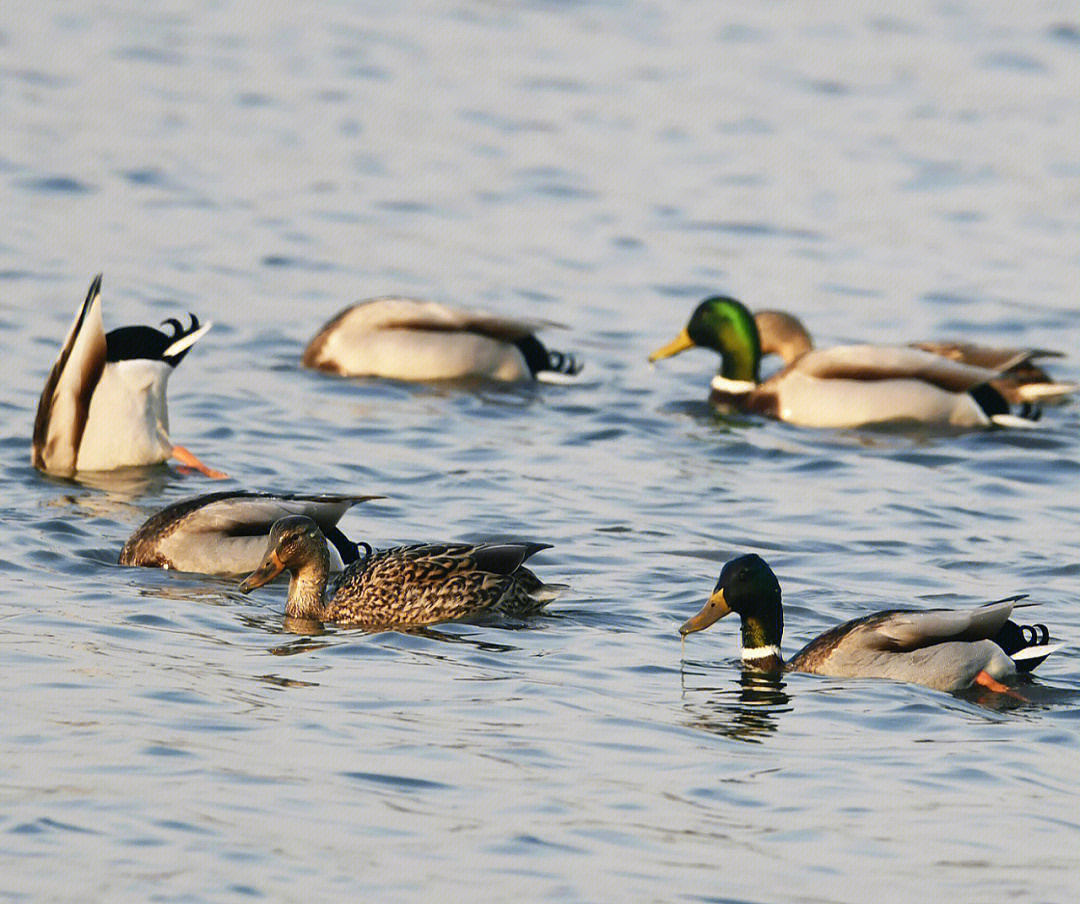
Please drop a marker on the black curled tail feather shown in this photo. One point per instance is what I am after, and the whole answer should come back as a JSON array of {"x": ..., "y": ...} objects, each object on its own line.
[
  {"x": 539, "y": 358},
  {"x": 349, "y": 551},
  {"x": 1012, "y": 638}
]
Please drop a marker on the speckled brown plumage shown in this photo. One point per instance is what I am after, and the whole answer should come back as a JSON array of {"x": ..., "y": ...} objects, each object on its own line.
[
  {"x": 402, "y": 587},
  {"x": 429, "y": 583}
]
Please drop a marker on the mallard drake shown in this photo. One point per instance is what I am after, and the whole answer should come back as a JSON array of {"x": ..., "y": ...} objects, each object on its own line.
[
  {"x": 226, "y": 533},
  {"x": 845, "y": 386},
  {"x": 103, "y": 406},
  {"x": 405, "y": 339},
  {"x": 1019, "y": 379},
  {"x": 403, "y": 587},
  {"x": 946, "y": 649}
]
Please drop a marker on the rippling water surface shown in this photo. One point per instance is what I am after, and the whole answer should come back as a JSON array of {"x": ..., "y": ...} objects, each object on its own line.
[{"x": 885, "y": 173}]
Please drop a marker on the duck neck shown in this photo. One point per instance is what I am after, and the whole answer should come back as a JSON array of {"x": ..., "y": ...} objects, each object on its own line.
[
  {"x": 307, "y": 586},
  {"x": 741, "y": 360},
  {"x": 762, "y": 632}
]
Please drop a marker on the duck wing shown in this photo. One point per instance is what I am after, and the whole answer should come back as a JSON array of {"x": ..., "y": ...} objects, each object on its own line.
[
  {"x": 905, "y": 630},
  {"x": 886, "y": 362},
  {"x": 223, "y": 533},
  {"x": 65, "y": 402},
  {"x": 992, "y": 357},
  {"x": 395, "y": 313}
]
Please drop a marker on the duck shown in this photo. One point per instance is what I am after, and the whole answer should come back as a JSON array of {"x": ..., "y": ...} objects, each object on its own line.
[
  {"x": 226, "y": 532},
  {"x": 407, "y": 339},
  {"x": 402, "y": 587},
  {"x": 844, "y": 386},
  {"x": 103, "y": 406},
  {"x": 1019, "y": 378},
  {"x": 945, "y": 649}
]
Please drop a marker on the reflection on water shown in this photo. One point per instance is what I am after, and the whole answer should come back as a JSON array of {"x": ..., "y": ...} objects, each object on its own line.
[{"x": 749, "y": 712}]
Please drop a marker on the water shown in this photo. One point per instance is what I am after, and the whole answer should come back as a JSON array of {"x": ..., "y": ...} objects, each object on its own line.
[{"x": 885, "y": 174}]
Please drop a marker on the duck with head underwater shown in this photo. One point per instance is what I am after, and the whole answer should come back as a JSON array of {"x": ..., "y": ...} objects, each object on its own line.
[
  {"x": 843, "y": 386},
  {"x": 103, "y": 406},
  {"x": 402, "y": 587},
  {"x": 946, "y": 649},
  {"x": 408, "y": 339}
]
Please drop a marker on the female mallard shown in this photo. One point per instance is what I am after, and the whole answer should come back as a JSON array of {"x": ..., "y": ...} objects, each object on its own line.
[
  {"x": 1019, "y": 379},
  {"x": 404, "y": 339},
  {"x": 845, "y": 386},
  {"x": 946, "y": 649},
  {"x": 226, "y": 533},
  {"x": 404, "y": 587},
  {"x": 103, "y": 406}
]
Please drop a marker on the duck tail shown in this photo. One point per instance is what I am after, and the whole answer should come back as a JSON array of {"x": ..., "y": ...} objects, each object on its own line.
[
  {"x": 1026, "y": 645},
  {"x": 996, "y": 408},
  {"x": 1046, "y": 393},
  {"x": 546, "y": 365}
]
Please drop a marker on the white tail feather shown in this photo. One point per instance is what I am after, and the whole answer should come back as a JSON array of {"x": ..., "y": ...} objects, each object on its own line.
[
  {"x": 1046, "y": 392},
  {"x": 556, "y": 378},
  {"x": 1012, "y": 420},
  {"x": 1036, "y": 652},
  {"x": 187, "y": 341}
]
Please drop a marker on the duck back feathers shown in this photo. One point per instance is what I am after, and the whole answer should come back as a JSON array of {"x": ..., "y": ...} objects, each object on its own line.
[{"x": 407, "y": 339}]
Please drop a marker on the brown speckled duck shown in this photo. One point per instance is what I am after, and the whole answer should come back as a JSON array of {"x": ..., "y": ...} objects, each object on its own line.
[
  {"x": 403, "y": 587},
  {"x": 946, "y": 649},
  {"x": 1019, "y": 379}
]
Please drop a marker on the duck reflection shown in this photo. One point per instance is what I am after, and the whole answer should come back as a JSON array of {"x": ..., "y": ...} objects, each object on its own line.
[{"x": 748, "y": 712}]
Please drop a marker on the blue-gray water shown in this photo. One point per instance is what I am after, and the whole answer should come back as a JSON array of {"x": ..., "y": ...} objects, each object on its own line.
[{"x": 885, "y": 172}]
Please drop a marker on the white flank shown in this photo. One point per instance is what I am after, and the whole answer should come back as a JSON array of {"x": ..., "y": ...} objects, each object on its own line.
[
  {"x": 735, "y": 387},
  {"x": 187, "y": 341},
  {"x": 749, "y": 654}
]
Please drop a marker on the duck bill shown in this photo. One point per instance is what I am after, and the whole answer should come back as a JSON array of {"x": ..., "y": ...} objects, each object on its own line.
[
  {"x": 268, "y": 569},
  {"x": 679, "y": 344},
  {"x": 714, "y": 610}
]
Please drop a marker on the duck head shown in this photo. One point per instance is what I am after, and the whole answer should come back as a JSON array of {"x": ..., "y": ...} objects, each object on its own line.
[
  {"x": 294, "y": 541},
  {"x": 727, "y": 327},
  {"x": 747, "y": 587}
]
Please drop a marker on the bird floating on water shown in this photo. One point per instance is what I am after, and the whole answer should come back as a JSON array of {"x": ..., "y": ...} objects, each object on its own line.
[
  {"x": 946, "y": 649},
  {"x": 103, "y": 406},
  {"x": 402, "y": 587},
  {"x": 405, "y": 339},
  {"x": 227, "y": 533},
  {"x": 844, "y": 386},
  {"x": 1019, "y": 378}
]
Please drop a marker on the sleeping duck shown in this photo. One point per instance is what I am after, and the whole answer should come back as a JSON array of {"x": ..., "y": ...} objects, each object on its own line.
[
  {"x": 844, "y": 386},
  {"x": 103, "y": 406},
  {"x": 1019, "y": 379},
  {"x": 946, "y": 649},
  {"x": 404, "y": 339},
  {"x": 403, "y": 587},
  {"x": 226, "y": 533}
]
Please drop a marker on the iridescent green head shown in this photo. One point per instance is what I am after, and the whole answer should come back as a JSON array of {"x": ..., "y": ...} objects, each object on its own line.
[{"x": 727, "y": 327}]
